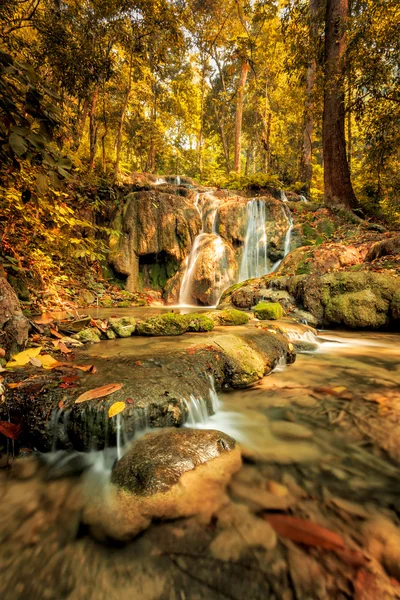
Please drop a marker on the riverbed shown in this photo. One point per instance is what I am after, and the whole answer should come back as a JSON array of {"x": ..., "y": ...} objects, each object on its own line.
[{"x": 322, "y": 433}]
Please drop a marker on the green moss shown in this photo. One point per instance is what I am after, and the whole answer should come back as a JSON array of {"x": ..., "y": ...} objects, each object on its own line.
[
  {"x": 123, "y": 327},
  {"x": 88, "y": 335},
  {"x": 326, "y": 227},
  {"x": 166, "y": 324},
  {"x": 269, "y": 310},
  {"x": 303, "y": 268},
  {"x": 230, "y": 316},
  {"x": 106, "y": 302},
  {"x": 199, "y": 322},
  {"x": 362, "y": 309},
  {"x": 124, "y": 304}
]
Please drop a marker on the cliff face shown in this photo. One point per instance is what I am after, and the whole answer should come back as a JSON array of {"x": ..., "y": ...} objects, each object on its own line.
[
  {"x": 187, "y": 243},
  {"x": 156, "y": 232}
]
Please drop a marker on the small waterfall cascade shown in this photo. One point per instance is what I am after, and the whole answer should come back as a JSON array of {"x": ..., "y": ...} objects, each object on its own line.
[
  {"x": 160, "y": 181},
  {"x": 208, "y": 240},
  {"x": 283, "y": 196},
  {"x": 303, "y": 198},
  {"x": 198, "y": 413},
  {"x": 288, "y": 237},
  {"x": 254, "y": 259}
]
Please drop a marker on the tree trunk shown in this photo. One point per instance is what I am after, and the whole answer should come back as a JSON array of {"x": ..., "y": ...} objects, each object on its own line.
[
  {"x": 305, "y": 171},
  {"x": 14, "y": 327},
  {"x": 338, "y": 187},
  {"x": 118, "y": 144},
  {"x": 244, "y": 71},
  {"x": 201, "y": 132},
  {"x": 225, "y": 147},
  {"x": 93, "y": 128},
  {"x": 81, "y": 125}
]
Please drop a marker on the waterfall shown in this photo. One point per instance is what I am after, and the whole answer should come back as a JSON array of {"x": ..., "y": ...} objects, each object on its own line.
[
  {"x": 177, "y": 180},
  {"x": 207, "y": 207},
  {"x": 303, "y": 198},
  {"x": 254, "y": 258},
  {"x": 197, "y": 408},
  {"x": 283, "y": 196},
  {"x": 288, "y": 236}
]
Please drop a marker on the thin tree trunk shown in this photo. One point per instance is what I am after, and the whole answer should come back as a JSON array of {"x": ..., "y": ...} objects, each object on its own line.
[
  {"x": 81, "y": 125},
  {"x": 203, "y": 86},
  {"x": 338, "y": 187},
  {"x": 244, "y": 71},
  {"x": 93, "y": 128},
  {"x": 225, "y": 147},
  {"x": 118, "y": 144},
  {"x": 305, "y": 171}
]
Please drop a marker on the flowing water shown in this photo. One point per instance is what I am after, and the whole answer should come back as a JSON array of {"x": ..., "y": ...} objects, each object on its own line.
[
  {"x": 254, "y": 258},
  {"x": 343, "y": 397}
]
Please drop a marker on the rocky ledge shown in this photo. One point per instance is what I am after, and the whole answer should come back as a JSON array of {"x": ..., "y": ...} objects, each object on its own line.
[{"x": 157, "y": 380}]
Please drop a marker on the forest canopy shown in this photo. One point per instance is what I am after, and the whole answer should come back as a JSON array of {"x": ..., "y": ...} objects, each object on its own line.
[{"x": 232, "y": 94}]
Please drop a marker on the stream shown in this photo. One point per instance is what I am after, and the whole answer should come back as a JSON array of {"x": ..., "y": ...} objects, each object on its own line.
[{"x": 322, "y": 433}]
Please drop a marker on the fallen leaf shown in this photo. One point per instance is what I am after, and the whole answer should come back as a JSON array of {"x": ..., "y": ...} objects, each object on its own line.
[
  {"x": 115, "y": 409},
  {"x": 61, "y": 404},
  {"x": 86, "y": 368},
  {"x": 56, "y": 334},
  {"x": 130, "y": 401},
  {"x": 44, "y": 320},
  {"x": 100, "y": 392},
  {"x": 35, "y": 361},
  {"x": 63, "y": 348},
  {"x": 10, "y": 430},
  {"x": 22, "y": 358},
  {"x": 2, "y": 353},
  {"x": 69, "y": 378},
  {"x": 48, "y": 362},
  {"x": 139, "y": 363},
  {"x": 305, "y": 532}
]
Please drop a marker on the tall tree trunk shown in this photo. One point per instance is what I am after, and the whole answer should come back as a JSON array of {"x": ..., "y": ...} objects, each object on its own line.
[
  {"x": 224, "y": 141},
  {"x": 80, "y": 126},
  {"x": 118, "y": 143},
  {"x": 305, "y": 171},
  {"x": 104, "y": 135},
  {"x": 267, "y": 117},
  {"x": 201, "y": 132},
  {"x": 244, "y": 71},
  {"x": 338, "y": 187},
  {"x": 93, "y": 128}
]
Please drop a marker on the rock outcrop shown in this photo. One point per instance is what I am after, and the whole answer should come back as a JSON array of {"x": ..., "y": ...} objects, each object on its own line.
[
  {"x": 14, "y": 327},
  {"x": 166, "y": 475}
]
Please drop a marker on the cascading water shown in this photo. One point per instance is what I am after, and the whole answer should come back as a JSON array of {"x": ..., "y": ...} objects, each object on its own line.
[
  {"x": 208, "y": 238},
  {"x": 288, "y": 237},
  {"x": 283, "y": 196},
  {"x": 254, "y": 259}
]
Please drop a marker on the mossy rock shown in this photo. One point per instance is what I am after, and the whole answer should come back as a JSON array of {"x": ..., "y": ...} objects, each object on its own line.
[
  {"x": 358, "y": 309},
  {"x": 166, "y": 324},
  {"x": 269, "y": 310},
  {"x": 88, "y": 335},
  {"x": 245, "y": 364},
  {"x": 106, "y": 302},
  {"x": 199, "y": 322},
  {"x": 230, "y": 316},
  {"x": 124, "y": 327},
  {"x": 124, "y": 304}
]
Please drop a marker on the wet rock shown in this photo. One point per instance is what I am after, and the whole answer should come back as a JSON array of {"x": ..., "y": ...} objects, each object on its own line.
[
  {"x": 261, "y": 499},
  {"x": 12, "y": 321},
  {"x": 165, "y": 324},
  {"x": 245, "y": 366},
  {"x": 279, "y": 296},
  {"x": 199, "y": 322},
  {"x": 302, "y": 316},
  {"x": 167, "y": 475},
  {"x": 384, "y": 248},
  {"x": 88, "y": 335},
  {"x": 86, "y": 298},
  {"x": 243, "y": 296},
  {"x": 75, "y": 326},
  {"x": 289, "y": 430},
  {"x": 123, "y": 327},
  {"x": 229, "y": 316},
  {"x": 382, "y": 539},
  {"x": 269, "y": 310},
  {"x": 20, "y": 287},
  {"x": 111, "y": 335}
]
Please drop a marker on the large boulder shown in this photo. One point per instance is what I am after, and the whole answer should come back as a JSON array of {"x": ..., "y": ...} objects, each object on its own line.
[
  {"x": 166, "y": 475},
  {"x": 155, "y": 233}
]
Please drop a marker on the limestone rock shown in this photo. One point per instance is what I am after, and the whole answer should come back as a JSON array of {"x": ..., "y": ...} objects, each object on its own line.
[
  {"x": 12, "y": 321},
  {"x": 230, "y": 316},
  {"x": 166, "y": 475},
  {"x": 123, "y": 327},
  {"x": 269, "y": 310},
  {"x": 88, "y": 335},
  {"x": 165, "y": 324}
]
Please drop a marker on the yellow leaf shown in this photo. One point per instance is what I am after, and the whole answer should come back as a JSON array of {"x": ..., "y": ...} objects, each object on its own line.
[
  {"x": 48, "y": 362},
  {"x": 100, "y": 392},
  {"x": 115, "y": 409},
  {"x": 22, "y": 358},
  {"x": 339, "y": 389}
]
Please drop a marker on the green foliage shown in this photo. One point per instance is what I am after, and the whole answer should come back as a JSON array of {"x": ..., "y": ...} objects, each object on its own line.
[{"x": 259, "y": 181}]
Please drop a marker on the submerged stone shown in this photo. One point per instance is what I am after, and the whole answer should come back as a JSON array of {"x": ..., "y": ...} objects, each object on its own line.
[
  {"x": 123, "y": 327},
  {"x": 269, "y": 310}
]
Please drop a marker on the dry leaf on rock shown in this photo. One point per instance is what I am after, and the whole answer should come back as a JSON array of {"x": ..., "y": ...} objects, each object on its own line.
[
  {"x": 100, "y": 392},
  {"x": 10, "y": 430},
  {"x": 115, "y": 409},
  {"x": 22, "y": 358}
]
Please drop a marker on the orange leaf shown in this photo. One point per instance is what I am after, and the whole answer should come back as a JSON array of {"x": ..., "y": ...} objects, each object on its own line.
[
  {"x": 10, "y": 430},
  {"x": 100, "y": 392},
  {"x": 56, "y": 334},
  {"x": 86, "y": 368},
  {"x": 63, "y": 348},
  {"x": 305, "y": 532}
]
